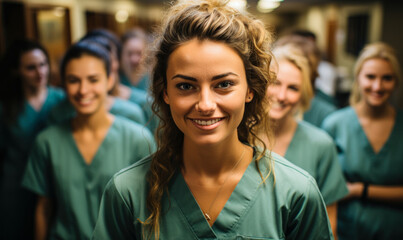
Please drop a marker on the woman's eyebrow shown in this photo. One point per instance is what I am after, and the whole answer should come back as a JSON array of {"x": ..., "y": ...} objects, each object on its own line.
[
  {"x": 184, "y": 77},
  {"x": 224, "y": 75}
]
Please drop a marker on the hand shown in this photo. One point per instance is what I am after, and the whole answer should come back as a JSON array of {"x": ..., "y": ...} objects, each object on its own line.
[{"x": 355, "y": 190}]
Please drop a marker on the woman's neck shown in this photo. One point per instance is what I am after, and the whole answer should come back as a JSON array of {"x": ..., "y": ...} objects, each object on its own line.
[
  {"x": 94, "y": 122},
  {"x": 284, "y": 131},
  {"x": 35, "y": 96},
  {"x": 213, "y": 160},
  {"x": 284, "y": 126},
  {"x": 371, "y": 112}
]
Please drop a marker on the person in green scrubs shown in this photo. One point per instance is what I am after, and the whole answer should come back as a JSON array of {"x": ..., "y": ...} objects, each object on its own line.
[
  {"x": 71, "y": 162},
  {"x": 119, "y": 90},
  {"x": 319, "y": 108},
  {"x": 26, "y": 100},
  {"x": 207, "y": 179},
  {"x": 368, "y": 135},
  {"x": 298, "y": 141}
]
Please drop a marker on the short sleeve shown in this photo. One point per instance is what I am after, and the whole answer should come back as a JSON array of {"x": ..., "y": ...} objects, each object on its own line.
[
  {"x": 308, "y": 216},
  {"x": 146, "y": 146},
  {"x": 37, "y": 176},
  {"x": 330, "y": 177},
  {"x": 115, "y": 217}
]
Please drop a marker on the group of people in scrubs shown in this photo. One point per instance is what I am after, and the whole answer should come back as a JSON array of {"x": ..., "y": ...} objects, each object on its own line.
[{"x": 230, "y": 156}]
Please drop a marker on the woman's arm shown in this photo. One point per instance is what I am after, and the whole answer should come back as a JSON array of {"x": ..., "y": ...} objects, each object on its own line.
[
  {"x": 43, "y": 213},
  {"x": 376, "y": 192},
  {"x": 332, "y": 213}
]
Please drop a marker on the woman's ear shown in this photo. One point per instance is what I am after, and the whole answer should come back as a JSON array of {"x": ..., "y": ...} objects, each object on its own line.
[
  {"x": 166, "y": 98},
  {"x": 111, "y": 82},
  {"x": 249, "y": 96}
]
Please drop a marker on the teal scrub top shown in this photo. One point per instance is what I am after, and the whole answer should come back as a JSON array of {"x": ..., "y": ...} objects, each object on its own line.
[
  {"x": 318, "y": 111},
  {"x": 56, "y": 169},
  {"x": 120, "y": 107},
  {"x": 313, "y": 150},
  {"x": 16, "y": 139},
  {"x": 358, "y": 219},
  {"x": 289, "y": 208},
  {"x": 143, "y": 99}
]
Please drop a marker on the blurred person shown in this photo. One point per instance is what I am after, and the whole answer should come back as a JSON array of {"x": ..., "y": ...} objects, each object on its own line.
[
  {"x": 71, "y": 162},
  {"x": 132, "y": 62},
  {"x": 132, "y": 94},
  {"x": 319, "y": 108},
  {"x": 26, "y": 100},
  {"x": 368, "y": 135},
  {"x": 208, "y": 180},
  {"x": 114, "y": 105},
  {"x": 301, "y": 143},
  {"x": 326, "y": 81}
]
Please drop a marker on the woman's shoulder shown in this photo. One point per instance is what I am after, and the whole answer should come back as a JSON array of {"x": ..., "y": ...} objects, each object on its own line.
[
  {"x": 340, "y": 114},
  {"x": 124, "y": 124},
  {"x": 54, "y": 133},
  {"x": 56, "y": 92},
  {"x": 132, "y": 179},
  {"x": 340, "y": 118},
  {"x": 313, "y": 134},
  {"x": 286, "y": 175}
]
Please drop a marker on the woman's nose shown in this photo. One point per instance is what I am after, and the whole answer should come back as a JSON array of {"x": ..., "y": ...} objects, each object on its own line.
[{"x": 206, "y": 103}]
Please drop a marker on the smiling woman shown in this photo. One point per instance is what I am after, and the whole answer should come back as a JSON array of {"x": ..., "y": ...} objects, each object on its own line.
[
  {"x": 368, "y": 137},
  {"x": 208, "y": 179},
  {"x": 74, "y": 160}
]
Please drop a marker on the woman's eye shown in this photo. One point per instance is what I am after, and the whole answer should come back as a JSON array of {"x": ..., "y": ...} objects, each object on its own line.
[
  {"x": 388, "y": 78},
  {"x": 370, "y": 76},
  {"x": 225, "y": 84},
  {"x": 93, "y": 80},
  {"x": 294, "y": 88},
  {"x": 184, "y": 86}
]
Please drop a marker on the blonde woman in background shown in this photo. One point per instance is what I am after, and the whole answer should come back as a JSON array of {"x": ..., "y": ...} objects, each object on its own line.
[
  {"x": 369, "y": 139},
  {"x": 298, "y": 141}
]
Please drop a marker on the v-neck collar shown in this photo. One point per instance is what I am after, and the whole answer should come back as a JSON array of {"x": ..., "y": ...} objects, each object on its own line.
[
  {"x": 45, "y": 102},
  {"x": 235, "y": 208},
  {"x": 367, "y": 145},
  {"x": 101, "y": 146}
]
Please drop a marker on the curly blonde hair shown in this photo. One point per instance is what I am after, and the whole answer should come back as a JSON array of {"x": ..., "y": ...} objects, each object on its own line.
[{"x": 204, "y": 20}]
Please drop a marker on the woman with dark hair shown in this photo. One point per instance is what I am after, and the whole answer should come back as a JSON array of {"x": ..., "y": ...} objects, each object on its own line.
[
  {"x": 26, "y": 100},
  {"x": 114, "y": 105},
  {"x": 132, "y": 94},
  {"x": 368, "y": 135},
  {"x": 207, "y": 179},
  {"x": 71, "y": 162}
]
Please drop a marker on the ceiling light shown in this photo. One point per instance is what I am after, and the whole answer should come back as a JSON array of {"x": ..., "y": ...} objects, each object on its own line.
[
  {"x": 266, "y": 6},
  {"x": 239, "y": 5},
  {"x": 121, "y": 16}
]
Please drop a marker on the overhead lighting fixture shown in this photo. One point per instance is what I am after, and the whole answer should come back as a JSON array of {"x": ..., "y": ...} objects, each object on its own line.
[
  {"x": 121, "y": 16},
  {"x": 266, "y": 6},
  {"x": 239, "y": 5},
  {"x": 59, "y": 11}
]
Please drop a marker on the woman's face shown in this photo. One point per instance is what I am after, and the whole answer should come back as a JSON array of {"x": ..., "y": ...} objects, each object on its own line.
[
  {"x": 376, "y": 81},
  {"x": 132, "y": 54},
  {"x": 87, "y": 84},
  {"x": 206, "y": 91},
  {"x": 285, "y": 94},
  {"x": 34, "y": 69}
]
